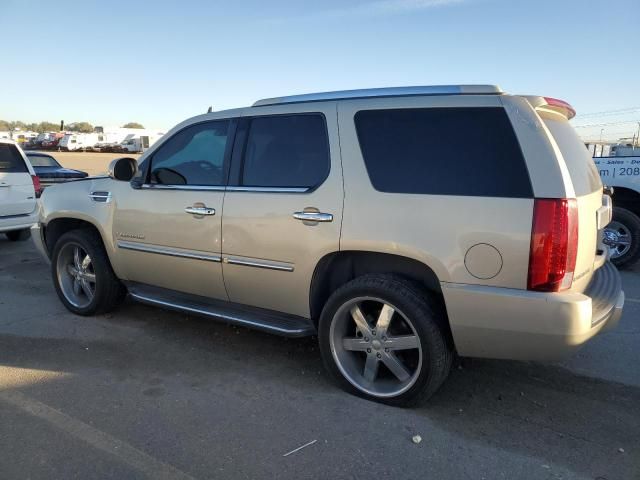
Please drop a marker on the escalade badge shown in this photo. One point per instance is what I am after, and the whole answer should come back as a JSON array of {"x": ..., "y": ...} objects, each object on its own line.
[{"x": 131, "y": 235}]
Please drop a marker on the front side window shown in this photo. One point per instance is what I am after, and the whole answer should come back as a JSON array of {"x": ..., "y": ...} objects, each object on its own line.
[
  {"x": 193, "y": 156},
  {"x": 286, "y": 151}
]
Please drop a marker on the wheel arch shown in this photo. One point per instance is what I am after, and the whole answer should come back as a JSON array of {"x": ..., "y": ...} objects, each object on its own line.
[
  {"x": 337, "y": 268},
  {"x": 57, "y": 227}
]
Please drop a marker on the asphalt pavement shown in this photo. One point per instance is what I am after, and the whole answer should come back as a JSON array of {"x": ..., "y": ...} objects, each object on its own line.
[{"x": 145, "y": 393}]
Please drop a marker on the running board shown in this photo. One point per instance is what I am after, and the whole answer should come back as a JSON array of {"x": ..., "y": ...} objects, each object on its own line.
[{"x": 234, "y": 313}]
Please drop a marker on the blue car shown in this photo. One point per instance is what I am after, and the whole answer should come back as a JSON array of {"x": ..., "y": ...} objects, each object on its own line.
[{"x": 50, "y": 172}]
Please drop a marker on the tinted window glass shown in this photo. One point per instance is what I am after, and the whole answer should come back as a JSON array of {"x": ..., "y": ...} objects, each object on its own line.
[
  {"x": 582, "y": 169},
  {"x": 286, "y": 151},
  {"x": 443, "y": 151},
  {"x": 193, "y": 156},
  {"x": 42, "y": 161},
  {"x": 10, "y": 159}
]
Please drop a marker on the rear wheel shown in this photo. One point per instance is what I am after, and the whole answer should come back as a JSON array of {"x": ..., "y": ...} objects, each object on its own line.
[
  {"x": 383, "y": 338},
  {"x": 622, "y": 236},
  {"x": 19, "y": 235},
  {"x": 82, "y": 274}
]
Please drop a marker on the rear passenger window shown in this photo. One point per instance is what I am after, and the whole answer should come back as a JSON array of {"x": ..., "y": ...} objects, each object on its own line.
[
  {"x": 10, "y": 159},
  {"x": 443, "y": 151},
  {"x": 286, "y": 151}
]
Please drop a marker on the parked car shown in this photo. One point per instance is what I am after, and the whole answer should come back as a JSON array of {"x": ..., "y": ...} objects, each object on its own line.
[
  {"x": 349, "y": 215},
  {"x": 50, "y": 172},
  {"x": 19, "y": 188},
  {"x": 622, "y": 235}
]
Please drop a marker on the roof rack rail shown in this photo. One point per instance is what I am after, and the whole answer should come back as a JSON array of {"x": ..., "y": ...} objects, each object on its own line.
[{"x": 384, "y": 92}]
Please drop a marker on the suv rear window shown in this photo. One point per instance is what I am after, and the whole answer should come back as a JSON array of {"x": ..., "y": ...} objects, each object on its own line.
[
  {"x": 443, "y": 151},
  {"x": 582, "y": 169},
  {"x": 10, "y": 159}
]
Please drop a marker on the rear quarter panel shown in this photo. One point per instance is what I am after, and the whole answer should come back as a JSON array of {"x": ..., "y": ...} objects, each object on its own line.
[{"x": 436, "y": 230}]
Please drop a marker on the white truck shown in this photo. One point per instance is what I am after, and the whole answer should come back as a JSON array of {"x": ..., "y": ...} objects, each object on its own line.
[
  {"x": 139, "y": 142},
  {"x": 622, "y": 235}
]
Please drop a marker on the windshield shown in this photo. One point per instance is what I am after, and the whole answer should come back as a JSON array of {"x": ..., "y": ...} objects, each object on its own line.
[
  {"x": 43, "y": 161},
  {"x": 582, "y": 169}
]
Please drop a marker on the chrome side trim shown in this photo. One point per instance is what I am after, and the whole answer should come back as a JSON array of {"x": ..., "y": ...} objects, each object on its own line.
[
  {"x": 209, "y": 188},
  {"x": 209, "y": 313},
  {"x": 215, "y": 188},
  {"x": 269, "y": 189},
  {"x": 256, "y": 264},
  {"x": 100, "y": 197},
  {"x": 167, "y": 251},
  {"x": 384, "y": 92}
]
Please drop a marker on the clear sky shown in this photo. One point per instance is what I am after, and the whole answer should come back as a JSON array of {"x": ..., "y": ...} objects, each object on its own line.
[{"x": 158, "y": 62}]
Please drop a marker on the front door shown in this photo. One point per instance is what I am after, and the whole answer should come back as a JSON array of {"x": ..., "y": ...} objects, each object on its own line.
[
  {"x": 168, "y": 231},
  {"x": 283, "y": 207}
]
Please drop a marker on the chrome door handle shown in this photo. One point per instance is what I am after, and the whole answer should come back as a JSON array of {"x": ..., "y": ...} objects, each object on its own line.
[
  {"x": 313, "y": 216},
  {"x": 4, "y": 184},
  {"x": 200, "y": 210}
]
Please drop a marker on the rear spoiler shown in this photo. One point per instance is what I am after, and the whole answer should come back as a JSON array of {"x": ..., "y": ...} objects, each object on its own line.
[{"x": 551, "y": 104}]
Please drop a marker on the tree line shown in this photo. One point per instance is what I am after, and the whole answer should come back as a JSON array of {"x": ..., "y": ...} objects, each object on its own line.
[{"x": 41, "y": 127}]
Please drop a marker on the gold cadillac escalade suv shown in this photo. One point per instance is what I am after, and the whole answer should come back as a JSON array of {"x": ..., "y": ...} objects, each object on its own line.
[{"x": 399, "y": 225}]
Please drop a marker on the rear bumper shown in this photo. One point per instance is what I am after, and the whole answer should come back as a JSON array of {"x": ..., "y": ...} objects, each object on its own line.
[
  {"x": 515, "y": 324},
  {"x": 18, "y": 222}
]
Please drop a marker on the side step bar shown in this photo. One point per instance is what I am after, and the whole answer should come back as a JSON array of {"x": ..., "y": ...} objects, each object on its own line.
[{"x": 246, "y": 316}]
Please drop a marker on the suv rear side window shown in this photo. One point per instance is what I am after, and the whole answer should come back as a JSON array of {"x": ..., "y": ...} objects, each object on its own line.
[
  {"x": 443, "y": 151},
  {"x": 286, "y": 151},
  {"x": 10, "y": 159}
]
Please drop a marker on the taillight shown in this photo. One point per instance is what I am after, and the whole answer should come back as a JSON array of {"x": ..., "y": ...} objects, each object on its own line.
[
  {"x": 36, "y": 185},
  {"x": 554, "y": 244}
]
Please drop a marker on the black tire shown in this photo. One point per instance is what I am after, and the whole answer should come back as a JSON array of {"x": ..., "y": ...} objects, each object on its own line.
[
  {"x": 631, "y": 222},
  {"x": 426, "y": 314},
  {"x": 109, "y": 291},
  {"x": 19, "y": 235}
]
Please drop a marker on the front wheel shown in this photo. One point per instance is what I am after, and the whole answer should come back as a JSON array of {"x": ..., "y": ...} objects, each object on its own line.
[
  {"x": 622, "y": 236},
  {"x": 383, "y": 338},
  {"x": 82, "y": 274}
]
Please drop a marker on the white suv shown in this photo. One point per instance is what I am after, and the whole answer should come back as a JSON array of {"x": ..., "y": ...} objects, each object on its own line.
[{"x": 19, "y": 188}]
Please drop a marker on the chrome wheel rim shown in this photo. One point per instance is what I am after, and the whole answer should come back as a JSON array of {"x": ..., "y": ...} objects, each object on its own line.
[
  {"x": 375, "y": 347},
  {"x": 76, "y": 276},
  {"x": 618, "y": 238}
]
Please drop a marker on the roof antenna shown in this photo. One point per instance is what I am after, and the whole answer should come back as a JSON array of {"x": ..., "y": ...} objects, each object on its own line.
[{"x": 210, "y": 109}]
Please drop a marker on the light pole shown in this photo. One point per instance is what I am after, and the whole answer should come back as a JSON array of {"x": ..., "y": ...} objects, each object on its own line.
[{"x": 601, "y": 130}]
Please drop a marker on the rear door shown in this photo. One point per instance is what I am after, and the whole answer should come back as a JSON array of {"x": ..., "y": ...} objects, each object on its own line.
[
  {"x": 588, "y": 192},
  {"x": 283, "y": 206},
  {"x": 17, "y": 196}
]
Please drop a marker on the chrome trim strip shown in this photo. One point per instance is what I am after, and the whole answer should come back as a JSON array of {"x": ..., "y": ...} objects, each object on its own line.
[
  {"x": 384, "y": 92},
  {"x": 210, "y": 313},
  {"x": 147, "y": 248},
  {"x": 210, "y": 188},
  {"x": 205, "y": 188},
  {"x": 253, "y": 263},
  {"x": 269, "y": 189}
]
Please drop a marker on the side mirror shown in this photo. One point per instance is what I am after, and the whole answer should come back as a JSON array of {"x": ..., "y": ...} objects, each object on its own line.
[{"x": 123, "y": 169}]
